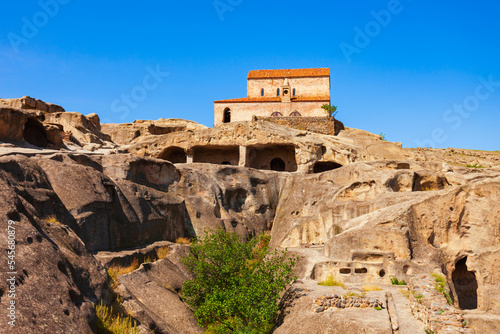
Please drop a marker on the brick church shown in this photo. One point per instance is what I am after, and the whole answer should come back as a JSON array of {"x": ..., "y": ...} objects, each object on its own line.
[{"x": 278, "y": 93}]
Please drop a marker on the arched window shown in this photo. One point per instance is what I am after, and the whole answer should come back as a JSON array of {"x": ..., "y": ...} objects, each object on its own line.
[
  {"x": 227, "y": 115},
  {"x": 293, "y": 92},
  {"x": 276, "y": 114},
  {"x": 262, "y": 92},
  {"x": 295, "y": 114},
  {"x": 278, "y": 92}
]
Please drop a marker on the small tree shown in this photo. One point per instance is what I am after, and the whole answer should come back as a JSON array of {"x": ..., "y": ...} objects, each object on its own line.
[
  {"x": 330, "y": 109},
  {"x": 237, "y": 284}
]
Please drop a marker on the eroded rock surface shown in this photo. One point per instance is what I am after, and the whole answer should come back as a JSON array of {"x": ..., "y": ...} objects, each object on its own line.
[{"x": 354, "y": 208}]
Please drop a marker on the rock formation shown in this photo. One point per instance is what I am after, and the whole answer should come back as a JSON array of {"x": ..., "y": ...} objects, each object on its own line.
[{"x": 355, "y": 208}]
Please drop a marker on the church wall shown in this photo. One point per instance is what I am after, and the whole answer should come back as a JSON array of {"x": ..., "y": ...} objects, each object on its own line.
[
  {"x": 311, "y": 86},
  {"x": 246, "y": 111}
]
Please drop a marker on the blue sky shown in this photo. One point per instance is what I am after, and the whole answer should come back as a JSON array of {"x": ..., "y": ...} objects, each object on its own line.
[{"x": 424, "y": 73}]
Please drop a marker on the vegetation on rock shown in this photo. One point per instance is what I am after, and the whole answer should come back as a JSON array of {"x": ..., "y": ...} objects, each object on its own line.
[
  {"x": 110, "y": 323},
  {"x": 441, "y": 287},
  {"x": 396, "y": 281},
  {"x": 331, "y": 281},
  {"x": 237, "y": 284},
  {"x": 183, "y": 240}
]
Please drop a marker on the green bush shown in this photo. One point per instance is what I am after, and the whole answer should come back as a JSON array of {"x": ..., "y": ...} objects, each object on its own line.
[
  {"x": 331, "y": 110},
  {"x": 396, "y": 281},
  {"x": 441, "y": 287},
  {"x": 237, "y": 284}
]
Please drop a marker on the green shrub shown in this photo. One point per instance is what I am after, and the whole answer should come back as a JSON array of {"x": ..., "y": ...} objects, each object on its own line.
[
  {"x": 476, "y": 165},
  {"x": 237, "y": 284},
  {"x": 331, "y": 110},
  {"x": 441, "y": 287},
  {"x": 396, "y": 281}
]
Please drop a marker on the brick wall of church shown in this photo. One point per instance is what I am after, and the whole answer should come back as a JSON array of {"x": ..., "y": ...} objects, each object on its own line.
[
  {"x": 319, "y": 86},
  {"x": 245, "y": 111}
]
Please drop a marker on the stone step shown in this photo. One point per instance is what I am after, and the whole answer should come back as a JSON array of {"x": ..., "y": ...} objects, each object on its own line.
[{"x": 407, "y": 323}]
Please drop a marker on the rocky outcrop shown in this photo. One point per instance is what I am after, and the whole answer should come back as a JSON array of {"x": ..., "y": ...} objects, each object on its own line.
[
  {"x": 128, "y": 133},
  {"x": 151, "y": 294},
  {"x": 55, "y": 280},
  {"x": 377, "y": 222},
  {"x": 29, "y": 103},
  {"x": 355, "y": 208},
  {"x": 84, "y": 129}
]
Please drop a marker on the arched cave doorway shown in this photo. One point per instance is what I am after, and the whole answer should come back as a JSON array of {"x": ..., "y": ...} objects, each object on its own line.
[
  {"x": 276, "y": 114},
  {"x": 295, "y": 114},
  {"x": 465, "y": 285},
  {"x": 323, "y": 166},
  {"x": 227, "y": 115},
  {"x": 278, "y": 165},
  {"x": 175, "y": 155},
  {"x": 34, "y": 133}
]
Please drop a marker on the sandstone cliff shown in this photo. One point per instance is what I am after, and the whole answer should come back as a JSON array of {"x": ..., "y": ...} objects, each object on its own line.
[{"x": 85, "y": 195}]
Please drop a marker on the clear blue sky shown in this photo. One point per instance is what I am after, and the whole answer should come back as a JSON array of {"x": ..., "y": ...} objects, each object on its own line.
[{"x": 414, "y": 74}]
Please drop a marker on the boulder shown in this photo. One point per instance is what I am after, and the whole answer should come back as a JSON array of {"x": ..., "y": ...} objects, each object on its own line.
[
  {"x": 85, "y": 129},
  {"x": 12, "y": 124},
  {"x": 151, "y": 294},
  {"x": 53, "y": 269}
]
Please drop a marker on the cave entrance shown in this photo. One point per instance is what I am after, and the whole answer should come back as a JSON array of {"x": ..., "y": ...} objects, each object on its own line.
[
  {"x": 175, "y": 155},
  {"x": 221, "y": 155},
  {"x": 278, "y": 165},
  {"x": 272, "y": 157},
  {"x": 465, "y": 285},
  {"x": 34, "y": 133},
  {"x": 323, "y": 166}
]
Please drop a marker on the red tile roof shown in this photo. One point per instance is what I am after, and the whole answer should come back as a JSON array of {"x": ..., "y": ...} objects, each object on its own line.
[
  {"x": 292, "y": 73},
  {"x": 276, "y": 99}
]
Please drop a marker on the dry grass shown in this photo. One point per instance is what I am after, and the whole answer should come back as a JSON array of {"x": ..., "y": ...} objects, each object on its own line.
[
  {"x": 183, "y": 240},
  {"x": 116, "y": 270},
  {"x": 162, "y": 252},
  {"x": 52, "y": 219},
  {"x": 331, "y": 281},
  {"x": 405, "y": 293},
  {"x": 109, "y": 322},
  {"x": 372, "y": 288}
]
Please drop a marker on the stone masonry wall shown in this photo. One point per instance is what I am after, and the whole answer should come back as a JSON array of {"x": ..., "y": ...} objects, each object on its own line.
[
  {"x": 323, "y": 125},
  {"x": 319, "y": 86},
  {"x": 430, "y": 307},
  {"x": 246, "y": 111}
]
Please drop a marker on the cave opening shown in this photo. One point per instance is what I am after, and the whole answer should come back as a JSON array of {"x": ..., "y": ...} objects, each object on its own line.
[
  {"x": 324, "y": 166},
  {"x": 34, "y": 133},
  {"x": 465, "y": 285},
  {"x": 216, "y": 154},
  {"x": 278, "y": 157},
  {"x": 278, "y": 164},
  {"x": 175, "y": 155}
]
